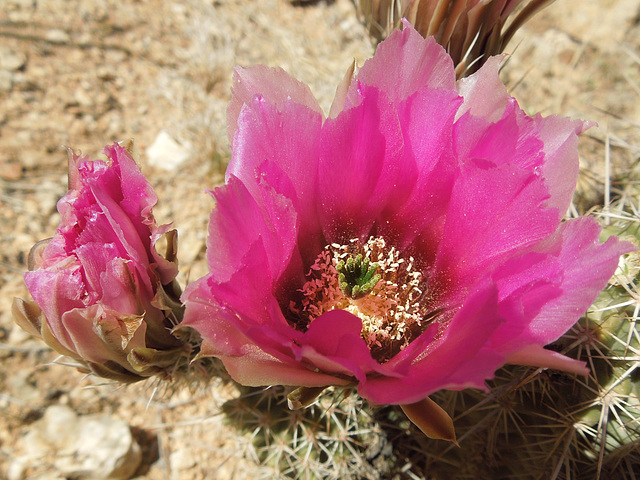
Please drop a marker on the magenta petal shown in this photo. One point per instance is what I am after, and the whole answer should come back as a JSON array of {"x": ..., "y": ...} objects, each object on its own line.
[
  {"x": 94, "y": 259},
  {"x": 358, "y": 167},
  {"x": 484, "y": 228},
  {"x": 138, "y": 198},
  {"x": 239, "y": 220},
  {"x": 274, "y": 84},
  {"x": 546, "y": 145},
  {"x": 221, "y": 337},
  {"x": 424, "y": 184},
  {"x": 455, "y": 360},
  {"x": 342, "y": 324},
  {"x": 122, "y": 226},
  {"x": 344, "y": 351},
  {"x": 280, "y": 147},
  {"x": 110, "y": 279},
  {"x": 545, "y": 293},
  {"x": 247, "y": 293},
  {"x": 287, "y": 137},
  {"x": 224, "y": 336},
  {"x": 405, "y": 63},
  {"x": 121, "y": 291},
  {"x": 527, "y": 283},
  {"x": 512, "y": 140},
  {"x": 256, "y": 368}
]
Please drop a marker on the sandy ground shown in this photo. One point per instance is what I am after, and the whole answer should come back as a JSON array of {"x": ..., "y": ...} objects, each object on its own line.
[{"x": 85, "y": 73}]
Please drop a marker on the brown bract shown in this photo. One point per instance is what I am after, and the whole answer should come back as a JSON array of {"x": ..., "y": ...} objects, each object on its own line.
[{"x": 470, "y": 30}]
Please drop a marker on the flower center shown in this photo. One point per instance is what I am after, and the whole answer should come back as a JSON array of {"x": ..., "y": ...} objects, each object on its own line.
[
  {"x": 375, "y": 283},
  {"x": 357, "y": 277}
]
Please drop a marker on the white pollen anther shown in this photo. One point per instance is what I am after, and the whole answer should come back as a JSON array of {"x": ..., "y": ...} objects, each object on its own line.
[{"x": 392, "y": 313}]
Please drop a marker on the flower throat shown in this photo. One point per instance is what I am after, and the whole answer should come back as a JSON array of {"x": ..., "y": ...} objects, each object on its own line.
[{"x": 373, "y": 282}]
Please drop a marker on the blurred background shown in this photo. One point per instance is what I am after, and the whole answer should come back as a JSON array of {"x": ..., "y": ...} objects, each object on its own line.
[{"x": 86, "y": 73}]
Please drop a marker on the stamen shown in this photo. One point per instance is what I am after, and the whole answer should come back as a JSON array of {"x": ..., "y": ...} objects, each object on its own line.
[{"x": 373, "y": 282}]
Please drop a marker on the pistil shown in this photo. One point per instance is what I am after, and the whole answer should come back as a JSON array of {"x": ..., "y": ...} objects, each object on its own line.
[{"x": 358, "y": 276}]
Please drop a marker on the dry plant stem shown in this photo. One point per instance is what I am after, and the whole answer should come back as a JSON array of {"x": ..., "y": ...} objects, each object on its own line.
[{"x": 523, "y": 16}]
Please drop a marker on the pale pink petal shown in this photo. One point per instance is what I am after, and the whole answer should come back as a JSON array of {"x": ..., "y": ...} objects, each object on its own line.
[
  {"x": 79, "y": 325},
  {"x": 484, "y": 93},
  {"x": 274, "y": 84},
  {"x": 536, "y": 356},
  {"x": 405, "y": 63},
  {"x": 342, "y": 91},
  {"x": 56, "y": 291},
  {"x": 561, "y": 165}
]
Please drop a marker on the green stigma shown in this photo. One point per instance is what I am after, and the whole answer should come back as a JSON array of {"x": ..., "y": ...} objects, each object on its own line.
[{"x": 357, "y": 276}]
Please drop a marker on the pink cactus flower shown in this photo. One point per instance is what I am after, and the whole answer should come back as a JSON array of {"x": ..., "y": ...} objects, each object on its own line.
[
  {"x": 410, "y": 242},
  {"x": 102, "y": 293}
]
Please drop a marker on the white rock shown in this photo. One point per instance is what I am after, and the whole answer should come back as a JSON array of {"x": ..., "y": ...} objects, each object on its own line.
[
  {"x": 102, "y": 449},
  {"x": 18, "y": 468},
  {"x": 166, "y": 153},
  {"x": 11, "y": 60},
  {"x": 6, "y": 81},
  {"x": 96, "y": 447},
  {"x": 55, "y": 35},
  {"x": 60, "y": 424},
  {"x": 182, "y": 459},
  {"x": 21, "y": 388}
]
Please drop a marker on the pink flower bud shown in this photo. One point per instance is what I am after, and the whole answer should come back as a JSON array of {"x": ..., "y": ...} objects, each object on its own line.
[{"x": 102, "y": 294}]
